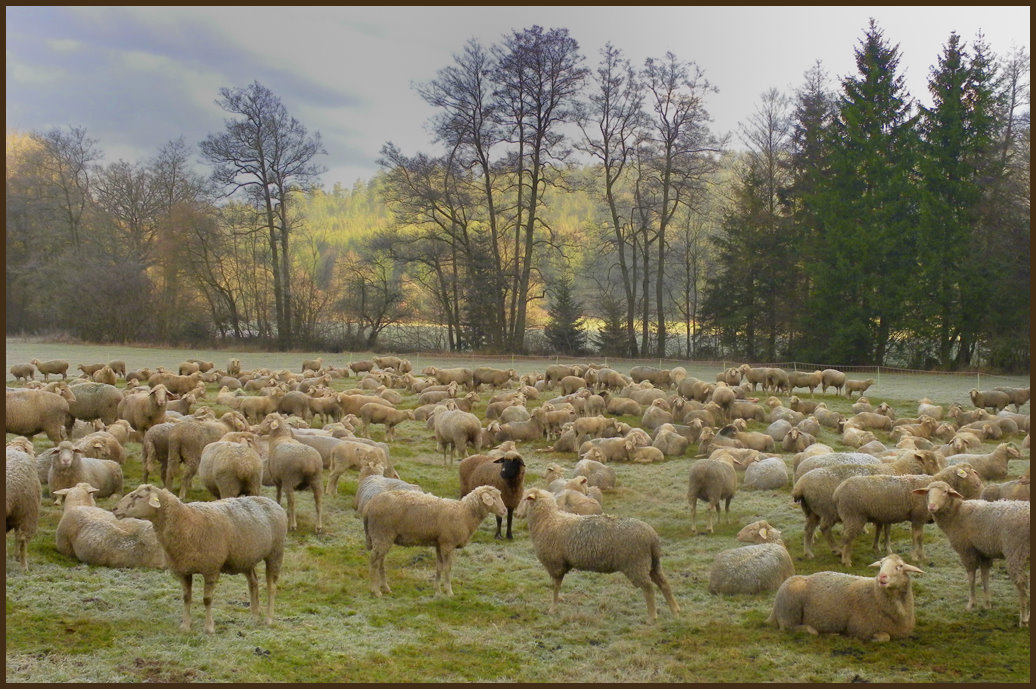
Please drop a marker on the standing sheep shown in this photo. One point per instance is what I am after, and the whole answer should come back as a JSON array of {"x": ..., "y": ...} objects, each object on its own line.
[
  {"x": 230, "y": 468},
  {"x": 373, "y": 481},
  {"x": 389, "y": 416},
  {"x": 762, "y": 566},
  {"x": 456, "y": 429},
  {"x": 875, "y": 609},
  {"x": 209, "y": 538},
  {"x": 595, "y": 543},
  {"x": 28, "y": 412},
  {"x": 55, "y": 366},
  {"x": 293, "y": 465},
  {"x": 832, "y": 377},
  {"x": 23, "y": 372},
  {"x": 22, "y": 493},
  {"x": 712, "y": 480},
  {"x": 95, "y": 536},
  {"x": 401, "y": 517},
  {"x": 508, "y": 478},
  {"x": 981, "y": 532},
  {"x": 95, "y": 401},
  {"x": 146, "y": 409}
]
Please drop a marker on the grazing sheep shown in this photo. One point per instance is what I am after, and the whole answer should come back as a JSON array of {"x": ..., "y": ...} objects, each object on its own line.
[
  {"x": 981, "y": 532},
  {"x": 292, "y": 465},
  {"x": 95, "y": 401},
  {"x": 456, "y": 429},
  {"x": 762, "y": 566},
  {"x": 389, "y": 416},
  {"x": 595, "y": 543},
  {"x": 23, "y": 372},
  {"x": 871, "y": 609},
  {"x": 55, "y": 366},
  {"x": 28, "y": 412},
  {"x": 230, "y": 468},
  {"x": 22, "y": 493},
  {"x": 992, "y": 465},
  {"x": 372, "y": 482},
  {"x": 70, "y": 467},
  {"x": 493, "y": 377},
  {"x": 410, "y": 518},
  {"x": 145, "y": 409},
  {"x": 712, "y": 480},
  {"x": 445, "y": 376},
  {"x": 312, "y": 364},
  {"x": 766, "y": 474},
  {"x": 814, "y": 493},
  {"x": 859, "y": 386},
  {"x": 228, "y": 536},
  {"x": 1018, "y": 396},
  {"x": 597, "y": 474},
  {"x": 95, "y": 536},
  {"x": 884, "y": 500},
  {"x": 350, "y": 453},
  {"x": 992, "y": 399},
  {"x": 660, "y": 378},
  {"x": 508, "y": 478}
]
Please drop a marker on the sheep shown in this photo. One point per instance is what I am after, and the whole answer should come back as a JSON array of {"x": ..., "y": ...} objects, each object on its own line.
[
  {"x": 95, "y": 401},
  {"x": 70, "y": 467},
  {"x": 144, "y": 410},
  {"x": 778, "y": 429},
  {"x": 312, "y": 364},
  {"x": 869, "y": 421},
  {"x": 859, "y": 386},
  {"x": 389, "y": 416},
  {"x": 925, "y": 407},
  {"x": 992, "y": 465},
  {"x": 854, "y": 437},
  {"x": 766, "y": 474},
  {"x": 410, "y": 518},
  {"x": 595, "y": 543},
  {"x": 175, "y": 384},
  {"x": 644, "y": 454},
  {"x": 28, "y": 412},
  {"x": 777, "y": 380},
  {"x": 55, "y": 366},
  {"x": 993, "y": 399},
  {"x": 597, "y": 474},
  {"x": 494, "y": 377},
  {"x": 712, "y": 480},
  {"x": 832, "y": 377},
  {"x": 1009, "y": 490},
  {"x": 887, "y": 499},
  {"x": 832, "y": 458},
  {"x": 373, "y": 481},
  {"x": 755, "y": 568},
  {"x": 660, "y": 378},
  {"x": 508, "y": 478},
  {"x": 828, "y": 418},
  {"x": 102, "y": 445},
  {"x": 915, "y": 462},
  {"x": 23, "y": 372},
  {"x": 870, "y": 609},
  {"x": 814, "y": 491},
  {"x": 228, "y": 536},
  {"x": 455, "y": 430},
  {"x": 95, "y": 536},
  {"x": 981, "y": 532},
  {"x": 22, "y": 493},
  {"x": 669, "y": 442},
  {"x": 231, "y": 467},
  {"x": 1018, "y": 396},
  {"x": 803, "y": 379},
  {"x": 188, "y": 439},
  {"x": 292, "y": 465},
  {"x": 750, "y": 439},
  {"x": 797, "y": 440},
  {"x": 350, "y": 453},
  {"x": 804, "y": 406},
  {"x": 461, "y": 376}
]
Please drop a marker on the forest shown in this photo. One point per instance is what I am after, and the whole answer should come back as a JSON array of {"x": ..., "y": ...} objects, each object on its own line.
[{"x": 565, "y": 204}]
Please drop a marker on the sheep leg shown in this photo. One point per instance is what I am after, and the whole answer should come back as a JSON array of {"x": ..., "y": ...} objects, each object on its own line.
[
  {"x": 379, "y": 583},
  {"x": 808, "y": 532},
  {"x": 23, "y": 551},
  {"x": 667, "y": 592},
  {"x": 290, "y": 495},
  {"x": 318, "y": 499},
  {"x": 510, "y": 515},
  {"x": 271, "y": 591},
  {"x": 694, "y": 511},
  {"x": 447, "y": 568},
  {"x": 253, "y": 593},
  {"x": 556, "y": 594},
  {"x": 918, "y": 536},
  {"x": 499, "y": 524},
  {"x": 649, "y": 598},
  {"x": 850, "y": 529},
  {"x": 210, "y": 586},
  {"x": 185, "y": 481},
  {"x": 185, "y": 583},
  {"x": 985, "y": 583},
  {"x": 332, "y": 480},
  {"x": 726, "y": 510}
]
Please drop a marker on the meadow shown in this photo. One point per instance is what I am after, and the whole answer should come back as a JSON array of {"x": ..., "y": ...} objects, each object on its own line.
[{"x": 67, "y": 621}]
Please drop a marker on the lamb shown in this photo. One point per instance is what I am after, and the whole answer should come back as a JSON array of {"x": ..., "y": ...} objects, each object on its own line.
[
  {"x": 410, "y": 518},
  {"x": 228, "y": 536},
  {"x": 144, "y": 410},
  {"x": 455, "y": 430},
  {"x": 372, "y": 482},
  {"x": 293, "y": 465},
  {"x": 755, "y": 568},
  {"x": 231, "y": 467},
  {"x": 992, "y": 465},
  {"x": 95, "y": 536},
  {"x": 887, "y": 499},
  {"x": 23, "y": 372},
  {"x": 350, "y": 453},
  {"x": 992, "y": 399},
  {"x": 859, "y": 386},
  {"x": 55, "y": 366},
  {"x": 28, "y": 412},
  {"x": 643, "y": 454},
  {"x": 70, "y": 467},
  {"x": 981, "y": 532},
  {"x": 766, "y": 474},
  {"x": 877, "y": 609},
  {"x": 832, "y": 377},
  {"x": 712, "y": 480},
  {"x": 508, "y": 478},
  {"x": 22, "y": 493},
  {"x": 595, "y": 543}
]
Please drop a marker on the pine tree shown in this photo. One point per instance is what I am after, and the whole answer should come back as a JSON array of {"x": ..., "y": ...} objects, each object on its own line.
[
  {"x": 565, "y": 331},
  {"x": 612, "y": 339}
]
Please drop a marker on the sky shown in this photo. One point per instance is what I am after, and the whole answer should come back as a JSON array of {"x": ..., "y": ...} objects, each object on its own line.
[{"x": 138, "y": 77}]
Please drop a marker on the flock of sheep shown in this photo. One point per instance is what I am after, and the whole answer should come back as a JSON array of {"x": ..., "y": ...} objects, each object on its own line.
[{"x": 268, "y": 438}]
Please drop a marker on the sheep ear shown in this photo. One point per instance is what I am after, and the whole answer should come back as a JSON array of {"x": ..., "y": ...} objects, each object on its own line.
[
  {"x": 762, "y": 532},
  {"x": 962, "y": 473},
  {"x": 487, "y": 497},
  {"x": 875, "y": 564},
  {"x": 924, "y": 491},
  {"x": 61, "y": 491},
  {"x": 911, "y": 568},
  {"x": 153, "y": 500}
]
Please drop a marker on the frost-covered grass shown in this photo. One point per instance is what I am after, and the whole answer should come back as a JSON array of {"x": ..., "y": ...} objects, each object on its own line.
[{"x": 70, "y": 622}]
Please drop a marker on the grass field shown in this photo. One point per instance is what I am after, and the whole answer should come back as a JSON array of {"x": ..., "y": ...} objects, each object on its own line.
[{"x": 71, "y": 622}]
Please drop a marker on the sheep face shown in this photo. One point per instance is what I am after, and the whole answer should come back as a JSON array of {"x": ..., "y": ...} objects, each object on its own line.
[
  {"x": 142, "y": 503},
  {"x": 512, "y": 464},
  {"x": 939, "y": 495},
  {"x": 893, "y": 573}
]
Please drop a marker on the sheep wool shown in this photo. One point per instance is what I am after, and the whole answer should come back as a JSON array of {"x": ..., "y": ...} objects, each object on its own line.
[{"x": 762, "y": 566}]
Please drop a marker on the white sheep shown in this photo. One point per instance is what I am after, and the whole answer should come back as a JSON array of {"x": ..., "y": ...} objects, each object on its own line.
[
  {"x": 22, "y": 493},
  {"x": 712, "y": 480},
  {"x": 762, "y": 566},
  {"x": 981, "y": 532},
  {"x": 992, "y": 465},
  {"x": 409, "y": 518},
  {"x": 770, "y": 473},
  {"x": 292, "y": 465},
  {"x": 70, "y": 467},
  {"x": 878, "y": 609},
  {"x": 228, "y": 536},
  {"x": 95, "y": 536},
  {"x": 595, "y": 543},
  {"x": 373, "y": 481},
  {"x": 231, "y": 467}
]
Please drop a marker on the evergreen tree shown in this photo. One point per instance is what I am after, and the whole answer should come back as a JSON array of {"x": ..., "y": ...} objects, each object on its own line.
[
  {"x": 565, "y": 331},
  {"x": 611, "y": 339}
]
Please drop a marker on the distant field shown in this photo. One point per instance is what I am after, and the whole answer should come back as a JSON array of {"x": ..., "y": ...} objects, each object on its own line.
[{"x": 70, "y": 622}]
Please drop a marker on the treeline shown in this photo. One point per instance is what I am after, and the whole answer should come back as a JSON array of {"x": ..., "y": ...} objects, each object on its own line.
[{"x": 846, "y": 224}]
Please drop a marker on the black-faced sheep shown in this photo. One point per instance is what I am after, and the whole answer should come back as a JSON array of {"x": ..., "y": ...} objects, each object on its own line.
[{"x": 508, "y": 478}]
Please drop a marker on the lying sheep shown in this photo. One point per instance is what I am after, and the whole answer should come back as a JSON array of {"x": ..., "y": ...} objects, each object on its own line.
[
  {"x": 231, "y": 467},
  {"x": 573, "y": 497},
  {"x": 508, "y": 478},
  {"x": 596, "y": 543},
  {"x": 28, "y": 412},
  {"x": 22, "y": 493},
  {"x": 228, "y": 536},
  {"x": 766, "y": 474},
  {"x": 597, "y": 474},
  {"x": 411, "y": 518},
  {"x": 762, "y": 566},
  {"x": 712, "y": 480},
  {"x": 102, "y": 445},
  {"x": 70, "y": 467},
  {"x": 878, "y": 609},
  {"x": 1009, "y": 490},
  {"x": 797, "y": 440},
  {"x": 981, "y": 532},
  {"x": 95, "y": 536}
]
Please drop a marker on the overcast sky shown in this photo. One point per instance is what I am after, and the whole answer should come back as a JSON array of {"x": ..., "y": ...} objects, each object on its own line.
[{"x": 137, "y": 77}]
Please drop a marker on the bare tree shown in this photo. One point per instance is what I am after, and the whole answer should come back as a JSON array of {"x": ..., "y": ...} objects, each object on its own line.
[{"x": 66, "y": 163}]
